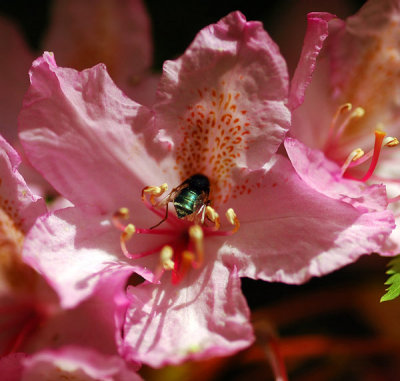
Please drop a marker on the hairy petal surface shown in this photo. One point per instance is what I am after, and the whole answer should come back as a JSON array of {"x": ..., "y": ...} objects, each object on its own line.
[
  {"x": 305, "y": 233},
  {"x": 206, "y": 316}
]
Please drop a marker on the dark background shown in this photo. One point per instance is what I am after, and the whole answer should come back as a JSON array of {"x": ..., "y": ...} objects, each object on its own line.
[{"x": 176, "y": 22}]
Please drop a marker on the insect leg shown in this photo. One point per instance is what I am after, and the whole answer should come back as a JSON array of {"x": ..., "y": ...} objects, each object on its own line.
[{"x": 166, "y": 216}]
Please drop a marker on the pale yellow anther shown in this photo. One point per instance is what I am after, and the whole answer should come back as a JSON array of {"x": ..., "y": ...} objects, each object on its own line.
[
  {"x": 166, "y": 255},
  {"x": 340, "y": 112},
  {"x": 355, "y": 155},
  {"x": 358, "y": 153},
  {"x": 128, "y": 232},
  {"x": 154, "y": 191},
  {"x": 358, "y": 112},
  {"x": 123, "y": 213},
  {"x": 344, "y": 108},
  {"x": 340, "y": 122},
  {"x": 390, "y": 141},
  {"x": 232, "y": 218},
  {"x": 213, "y": 216}
]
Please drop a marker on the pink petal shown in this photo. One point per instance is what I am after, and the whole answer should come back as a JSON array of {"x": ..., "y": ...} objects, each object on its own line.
[
  {"x": 222, "y": 103},
  {"x": 303, "y": 233},
  {"x": 16, "y": 199},
  {"x": 204, "y": 317},
  {"x": 118, "y": 34},
  {"x": 311, "y": 121},
  {"x": 76, "y": 363},
  {"x": 88, "y": 140},
  {"x": 317, "y": 31},
  {"x": 76, "y": 253},
  {"x": 324, "y": 176},
  {"x": 14, "y": 65}
]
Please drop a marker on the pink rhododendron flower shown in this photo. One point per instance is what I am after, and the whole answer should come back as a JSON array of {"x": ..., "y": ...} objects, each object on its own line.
[
  {"x": 343, "y": 136},
  {"x": 221, "y": 113},
  {"x": 30, "y": 317}
]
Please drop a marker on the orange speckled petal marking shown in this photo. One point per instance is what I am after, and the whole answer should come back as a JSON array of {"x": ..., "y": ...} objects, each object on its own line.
[
  {"x": 214, "y": 138},
  {"x": 223, "y": 103}
]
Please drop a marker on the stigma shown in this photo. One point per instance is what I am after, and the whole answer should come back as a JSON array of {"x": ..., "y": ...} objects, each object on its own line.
[{"x": 185, "y": 232}]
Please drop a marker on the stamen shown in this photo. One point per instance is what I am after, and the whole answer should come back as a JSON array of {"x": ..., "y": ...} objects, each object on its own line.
[
  {"x": 145, "y": 253},
  {"x": 128, "y": 232},
  {"x": 344, "y": 109},
  {"x": 213, "y": 216},
  {"x": 126, "y": 235},
  {"x": 355, "y": 155},
  {"x": 154, "y": 192},
  {"x": 197, "y": 237},
  {"x": 166, "y": 255},
  {"x": 185, "y": 248},
  {"x": 340, "y": 111},
  {"x": 358, "y": 112},
  {"x": 390, "y": 141},
  {"x": 233, "y": 220},
  {"x": 122, "y": 213}
]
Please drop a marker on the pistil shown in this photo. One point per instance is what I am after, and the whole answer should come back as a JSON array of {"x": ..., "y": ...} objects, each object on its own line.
[{"x": 357, "y": 157}]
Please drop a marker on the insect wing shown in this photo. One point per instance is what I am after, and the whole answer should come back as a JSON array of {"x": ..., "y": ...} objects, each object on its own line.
[
  {"x": 170, "y": 197},
  {"x": 199, "y": 208}
]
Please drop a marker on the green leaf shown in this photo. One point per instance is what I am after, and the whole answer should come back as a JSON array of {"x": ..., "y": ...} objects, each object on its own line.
[{"x": 393, "y": 291}]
